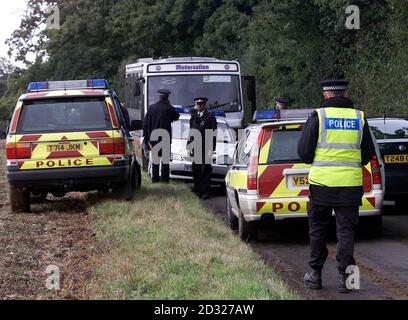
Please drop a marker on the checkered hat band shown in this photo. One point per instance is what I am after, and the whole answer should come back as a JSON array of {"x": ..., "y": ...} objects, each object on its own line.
[{"x": 335, "y": 88}]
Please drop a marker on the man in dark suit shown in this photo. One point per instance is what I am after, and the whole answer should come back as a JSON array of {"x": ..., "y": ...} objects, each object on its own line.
[
  {"x": 160, "y": 117},
  {"x": 201, "y": 121}
]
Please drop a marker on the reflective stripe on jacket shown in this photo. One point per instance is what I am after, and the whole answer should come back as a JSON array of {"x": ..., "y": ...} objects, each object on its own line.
[{"x": 337, "y": 161}]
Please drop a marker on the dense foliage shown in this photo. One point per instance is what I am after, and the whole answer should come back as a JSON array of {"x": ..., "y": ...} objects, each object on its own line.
[{"x": 289, "y": 45}]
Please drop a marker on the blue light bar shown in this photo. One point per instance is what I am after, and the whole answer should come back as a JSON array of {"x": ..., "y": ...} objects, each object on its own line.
[
  {"x": 218, "y": 113},
  {"x": 266, "y": 115},
  {"x": 68, "y": 85},
  {"x": 98, "y": 83},
  {"x": 38, "y": 86}
]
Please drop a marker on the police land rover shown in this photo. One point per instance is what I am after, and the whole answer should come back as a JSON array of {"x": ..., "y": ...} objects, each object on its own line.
[{"x": 70, "y": 136}]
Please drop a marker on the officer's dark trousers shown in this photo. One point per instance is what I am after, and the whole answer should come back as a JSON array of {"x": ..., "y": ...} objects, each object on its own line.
[
  {"x": 165, "y": 170},
  {"x": 346, "y": 221},
  {"x": 165, "y": 173},
  {"x": 202, "y": 178}
]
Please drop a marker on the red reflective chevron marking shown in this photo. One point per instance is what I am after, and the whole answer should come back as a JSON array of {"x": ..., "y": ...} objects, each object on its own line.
[
  {"x": 67, "y": 154},
  {"x": 14, "y": 121},
  {"x": 259, "y": 206},
  {"x": 115, "y": 122},
  {"x": 271, "y": 178},
  {"x": 30, "y": 138},
  {"x": 372, "y": 201},
  {"x": 94, "y": 135},
  {"x": 304, "y": 193},
  {"x": 367, "y": 183},
  {"x": 267, "y": 136}
]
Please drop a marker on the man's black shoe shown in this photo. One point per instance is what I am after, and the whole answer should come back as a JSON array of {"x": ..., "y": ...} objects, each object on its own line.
[
  {"x": 341, "y": 282},
  {"x": 313, "y": 280}
]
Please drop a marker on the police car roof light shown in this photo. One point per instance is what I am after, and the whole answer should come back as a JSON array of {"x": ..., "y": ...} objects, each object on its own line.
[
  {"x": 266, "y": 115},
  {"x": 295, "y": 114},
  {"x": 279, "y": 115},
  {"x": 38, "y": 86},
  {"x": 68, "y": 85}
]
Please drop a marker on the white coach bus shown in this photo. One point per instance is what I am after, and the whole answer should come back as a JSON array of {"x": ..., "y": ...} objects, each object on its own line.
[{"x": 188, "y": 77}]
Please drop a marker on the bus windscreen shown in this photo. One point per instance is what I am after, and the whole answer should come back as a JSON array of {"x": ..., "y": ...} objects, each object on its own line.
[{"x": 223, "y": 91}]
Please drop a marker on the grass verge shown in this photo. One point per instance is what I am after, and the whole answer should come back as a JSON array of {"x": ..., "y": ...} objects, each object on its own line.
[{"x": 166, "y": 245}]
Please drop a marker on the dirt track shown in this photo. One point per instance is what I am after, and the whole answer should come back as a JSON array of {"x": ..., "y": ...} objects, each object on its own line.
[
  {"x": 55, "y": 233},
  {"x": 383, "y": 262}
]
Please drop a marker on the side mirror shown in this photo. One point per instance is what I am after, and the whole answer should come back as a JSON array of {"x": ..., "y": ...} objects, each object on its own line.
[{"x": 136, "y": 125}]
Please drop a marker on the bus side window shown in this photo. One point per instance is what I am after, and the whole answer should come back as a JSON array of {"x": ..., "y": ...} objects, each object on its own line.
[{"x": 134, "y": 96}]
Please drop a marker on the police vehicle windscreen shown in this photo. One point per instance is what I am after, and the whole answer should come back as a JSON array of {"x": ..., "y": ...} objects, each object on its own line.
[
  {"x": 284, "y": 145},
  {"x": 223, "y": 91},
  {"x": 64, "y": 115},
  {"x": 181, "y": 130},
  {"x": 390, "y": 129}
]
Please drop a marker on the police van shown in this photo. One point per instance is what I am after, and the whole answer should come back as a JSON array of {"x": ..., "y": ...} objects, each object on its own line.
[
  {"x": 70, "y": 136},
  {"x": 267, "y": 180}
]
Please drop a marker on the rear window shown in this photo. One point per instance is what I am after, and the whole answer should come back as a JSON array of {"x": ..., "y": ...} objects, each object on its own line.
[
  {"x": 64, "y": 115},
  {"x": 284, "y": 145},
  {"x": 390, "y": 129}
]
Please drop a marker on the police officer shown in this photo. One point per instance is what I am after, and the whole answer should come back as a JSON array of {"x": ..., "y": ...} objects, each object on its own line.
[
  {"x": 160, "y": 116},
  {"x": 282, "y": 104},
  {"x": 336, "y": 141},
  {"x": 202, "y": 120}
]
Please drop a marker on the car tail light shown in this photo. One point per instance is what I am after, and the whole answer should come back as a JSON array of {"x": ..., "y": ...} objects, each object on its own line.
[
  {"x": 252, "y": 183},
  {"x": 114, "y": 146},
  {"x": 376, "y": 173},
  {"x": 18, "y": 151}
]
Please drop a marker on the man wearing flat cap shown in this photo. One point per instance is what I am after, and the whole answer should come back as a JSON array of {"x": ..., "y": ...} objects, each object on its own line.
[
  {"x": 201, "y": 121},
  {"x": 282, "y": 104},
  {"x": 337, "y": 142},
  {"x": 160, "y": 117}
]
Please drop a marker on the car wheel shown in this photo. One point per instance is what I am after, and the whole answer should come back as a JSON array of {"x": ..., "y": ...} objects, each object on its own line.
[
  {"x": 247, "y": 230},
  {"x": 232, "y": 220},
  {"x": 19, "y": 200},
  {"x": 39, "y": 197},
  {"x": 126, "y": 190}
]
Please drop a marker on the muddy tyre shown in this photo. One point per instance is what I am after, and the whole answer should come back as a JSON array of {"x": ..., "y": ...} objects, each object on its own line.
[
  {"x": 137, "y": 179},
  {"x": 247, "y": 230},
  {"x": 232, "y": 220},
  {"x": 38, "y": 198},
  {"x": 126, "y": 191},
  {"x": 19, "y": 200}
]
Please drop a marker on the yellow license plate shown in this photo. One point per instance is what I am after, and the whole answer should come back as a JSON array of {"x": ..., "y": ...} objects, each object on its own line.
[
  {"x": 400, "y": 158},
  {"x": 300, "y": 181},
  {"x": 64, "y": 147}
]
